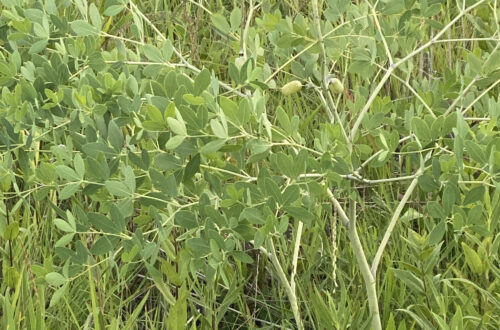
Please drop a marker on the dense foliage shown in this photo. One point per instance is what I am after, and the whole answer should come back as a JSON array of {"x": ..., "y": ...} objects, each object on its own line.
[{"x": 223, "y": 164}]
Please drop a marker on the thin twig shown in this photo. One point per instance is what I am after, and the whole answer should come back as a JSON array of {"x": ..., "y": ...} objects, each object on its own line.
[
  {"x": 414, "y": 92},
  {"x": 461, "y": 96},
  {"x": 312, "y": 44},
  {"x": 379, "y": 29},
  {"x": 290, "y": 292},
  {"x": 357, "y": 247},
  {"x": 177, "y": 52},
  {"x": 392, "y": 223},
  {"x": 481, "y": 95},
  {"x": 403, "y": 60},
  {"x": 296, "y": 254}
]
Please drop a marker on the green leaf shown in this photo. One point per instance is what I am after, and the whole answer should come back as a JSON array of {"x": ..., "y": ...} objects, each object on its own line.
[
  {"x": 428, "y": 9},
  {"x": 64, "y": 226},
  {"x": 283, "y": 120},
  {"x": 95, "y": 17},
  {"x": 69, "y": 190},
  {"x": 46, "y": 172},
  {"x": 103, "y": 223},
  {"x": 171, "y": 188},
  {"x": 291, "y": 194},
  {"x": 55, "y": 279},
  {"x": 167, "y": 50},
  {"x": 244, "y": 112},
  {"x": 64, "y": 240},
  {"x": 104, "y": 245},
  {"x": 221, "y": 23},
  {"x": 193, "y": 100},
  {"x": 457, "y": 322},
  {"x": 427, "y": 183},
  {"x": 234, "y": 73},
  {"x": 159, "y": 181},
  {"x": 11, "y": 231},
  {"x": 117, "y": 188},
  {"x": 212, "y": 146},
  {"x": 273, "y": 190},
  {"x": 115, "y": 135},
  {"x": 128, "y": 172},
  {"x": 492, "y": 63},
  {"x": 186, "y": 219},
  {"x": 474, "y": 63},
  {"x": 40, "y": 31},
  {"x": 153, "y": 54},
  {"x": 38, "y": 46},
  {"x": 174, "y": 142},
  {"x": 230, "y": 108},
  {"x": 472, "y": 258},
  {"x": 242, "y": 256},
  {"x": 192, "y": 167},
  {"x": 409, "y": 279},
  {"x": 154, "y": 114},
  {"x": 300, "y": 213},
  {"x": 218, "y": 129},
  {"x": 58, "y": 294},
  {"x": 79, "y": 166},
  {"x": 421, "y": 129},
  {"x": 449, "y": 198},
  {"x": 11, "y": 277},
  {"x": 67, "y": 173},
  {"x": 82, "y": 28},
  {"x": 177, "y": 126},
  {"x": 199, "y": 246},
  {"x": 113, "y": 10},
  {"x": 177, "y": 316},
  {"x": 167, "y": 162},
  {"x": 474, "y": 195},
  {"x": 253, "y": 215},
  {"x": 475, "y": 152},
  {"x": 202, "y": 81},
  {"x": 437, "y": 127},
  {"x": 437, "y": 233},
  {"x": 94, "y": 148},
  {"x": 235, "y": 19},
  {"x": 435, "y": 210}
]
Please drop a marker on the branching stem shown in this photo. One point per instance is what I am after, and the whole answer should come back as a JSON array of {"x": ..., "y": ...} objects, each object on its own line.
[
  {"x": 388, "y": 73},
  {"x": 290, "y": 292}
]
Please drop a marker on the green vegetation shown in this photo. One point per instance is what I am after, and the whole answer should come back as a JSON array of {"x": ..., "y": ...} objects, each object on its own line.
[{"x": 218, "y": 164}]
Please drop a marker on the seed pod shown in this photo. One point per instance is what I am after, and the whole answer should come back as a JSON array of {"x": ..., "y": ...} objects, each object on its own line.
[
  {"x": 336, "y": 86},
  {"x": 292, "y": 87}
]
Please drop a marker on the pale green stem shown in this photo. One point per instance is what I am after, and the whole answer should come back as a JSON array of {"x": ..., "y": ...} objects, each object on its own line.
[
  {"x": 387, "y": 75},
  {"x": 328, "y": 102},
  {"x": 392, "y": 223},
  {"x": 481, "y": 95},
  {"x": 245, "y": 30},
  {"x": 461, "y": 96},
  {"x": 290, "y": 292},
  {"x": 414, "y": 92},
  {"x": 294, "y": 57},
  {"x": 296, "y": 255},
  {"x": 384, "y": 42},
  {"x": 369, "y": 279}
]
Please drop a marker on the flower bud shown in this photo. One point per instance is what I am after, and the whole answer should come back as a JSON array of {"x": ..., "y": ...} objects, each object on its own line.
[
  {"x": 336, "y": 86},
  {"x": 292, "y": 87}
]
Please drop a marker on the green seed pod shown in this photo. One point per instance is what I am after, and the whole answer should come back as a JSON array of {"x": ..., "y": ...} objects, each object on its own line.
[
  {"x": 292, "y": 87},
  {"x": 336, "y": 86}
]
